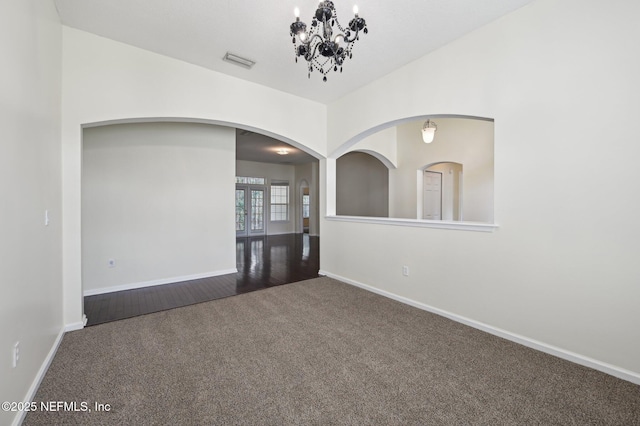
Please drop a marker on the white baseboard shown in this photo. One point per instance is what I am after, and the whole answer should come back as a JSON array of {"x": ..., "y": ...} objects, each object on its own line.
[
  {"x": 162, "y": 281},
  {"x": 31, "y": 393},
  {"x": 76, "y": 325},
  {"x": 604, "y": 367}
]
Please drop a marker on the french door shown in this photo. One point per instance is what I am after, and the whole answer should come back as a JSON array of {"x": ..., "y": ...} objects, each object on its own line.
[{"x": 250, "y": 210}]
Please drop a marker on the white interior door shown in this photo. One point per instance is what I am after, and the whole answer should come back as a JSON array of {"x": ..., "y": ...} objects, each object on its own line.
[{"x": 432, "y": 209}]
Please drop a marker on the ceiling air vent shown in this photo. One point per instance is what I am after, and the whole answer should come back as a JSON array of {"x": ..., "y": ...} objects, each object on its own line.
[{"x": 239, "y": 60}]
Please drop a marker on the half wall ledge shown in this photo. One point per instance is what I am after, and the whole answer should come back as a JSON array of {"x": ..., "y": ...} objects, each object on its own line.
[{"x": 417, "y": 223}]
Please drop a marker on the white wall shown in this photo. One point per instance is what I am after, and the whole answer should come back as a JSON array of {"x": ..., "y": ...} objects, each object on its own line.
[
  {"x": 560, "y": 78},
  {"x": 465, "y": 141},
  {"x": 153, "y": 197},
  {"x": 30, "y": 183},
  {"x": 105, "y": 80}
]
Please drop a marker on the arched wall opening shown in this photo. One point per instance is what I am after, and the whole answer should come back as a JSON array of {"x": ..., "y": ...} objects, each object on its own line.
[
  {"x": 464, "y": 140},
  {"x": 151, "y": 197},
  {"x": 222, "y": 123},
  {"x": 112, "y": 82}
]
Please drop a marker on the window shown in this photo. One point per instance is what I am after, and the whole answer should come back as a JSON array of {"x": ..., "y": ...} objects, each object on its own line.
[
  {"x": 279, "y": 201},
  {"x": 305, "y": 206},
  {"x": 249, "y": 180}
]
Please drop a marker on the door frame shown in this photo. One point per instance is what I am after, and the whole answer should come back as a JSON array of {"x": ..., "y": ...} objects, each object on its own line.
[
  {"x": 420, "y": 190},
  {"x": 247, "y": 188}
]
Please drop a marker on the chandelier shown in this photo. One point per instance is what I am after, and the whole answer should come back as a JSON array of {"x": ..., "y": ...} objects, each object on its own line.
[{"x": 323, "y": 50}]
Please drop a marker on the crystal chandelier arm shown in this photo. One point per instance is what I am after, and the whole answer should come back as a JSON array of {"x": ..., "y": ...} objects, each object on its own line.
[
  {"x": 357, "y": 24},
  {"x": 346, "y": 33},
  {"x": 327, "y": 31},
  {"x": 311, "y": 53},
  {"x": 351, "y": 40},
  {"x": 310, "y": 39}
]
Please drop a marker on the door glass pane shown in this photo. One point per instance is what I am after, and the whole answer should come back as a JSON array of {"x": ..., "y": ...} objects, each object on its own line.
[
  {"x": 240, "y": 210},
  {"x": 257, "y": 209}
]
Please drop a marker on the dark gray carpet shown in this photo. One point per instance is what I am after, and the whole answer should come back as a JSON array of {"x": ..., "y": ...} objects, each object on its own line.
[{"x": 319, "y": 352}]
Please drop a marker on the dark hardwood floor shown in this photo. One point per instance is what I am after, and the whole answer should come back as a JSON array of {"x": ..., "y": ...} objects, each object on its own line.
[{"x": 262, "y": 262}]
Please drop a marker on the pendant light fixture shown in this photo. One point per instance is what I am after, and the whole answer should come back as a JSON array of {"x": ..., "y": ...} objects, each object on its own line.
[{"x": 429, "y": 131}]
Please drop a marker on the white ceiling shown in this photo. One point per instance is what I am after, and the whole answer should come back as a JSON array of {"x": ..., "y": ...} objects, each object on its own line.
[
  {"x": 252, "y": 146},
  {"x": 202, "y": 31}
]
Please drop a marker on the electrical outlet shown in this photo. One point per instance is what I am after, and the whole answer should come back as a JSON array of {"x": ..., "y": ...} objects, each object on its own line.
[
  {"x": 46, "y": 218},
  {"x": 111, "y": 263},
  {"x": 405, "y": 271},
  {"x": 16, "y": 354}
]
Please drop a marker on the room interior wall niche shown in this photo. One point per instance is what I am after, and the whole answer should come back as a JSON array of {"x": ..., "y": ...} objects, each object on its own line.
[
  {"x": 463, "y": 143},
  {"x": 362, "y": 186}
]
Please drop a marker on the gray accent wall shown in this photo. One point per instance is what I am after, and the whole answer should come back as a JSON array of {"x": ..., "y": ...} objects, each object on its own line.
[{"x": 362, "y": 186}]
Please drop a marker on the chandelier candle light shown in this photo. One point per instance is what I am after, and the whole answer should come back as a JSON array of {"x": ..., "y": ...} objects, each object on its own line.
[{"x": 323, "y": 50}]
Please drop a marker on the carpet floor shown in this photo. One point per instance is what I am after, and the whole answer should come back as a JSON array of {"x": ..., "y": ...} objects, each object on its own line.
[{"x": 317, "y": 352}]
